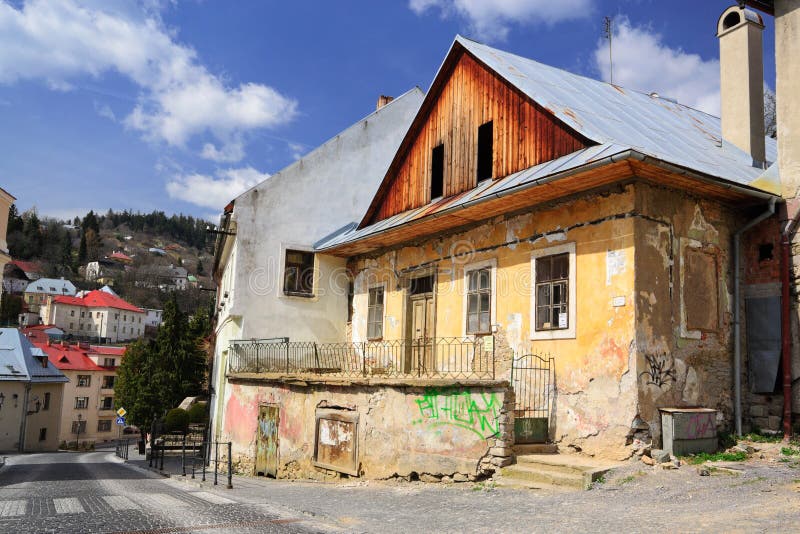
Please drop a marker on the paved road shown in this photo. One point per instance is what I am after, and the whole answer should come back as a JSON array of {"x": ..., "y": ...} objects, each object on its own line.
[{"x": 92, "y": 492}]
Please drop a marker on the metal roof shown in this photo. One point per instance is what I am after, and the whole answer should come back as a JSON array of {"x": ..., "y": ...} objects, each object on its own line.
[
  {"x": 623, "y": 123},
  {"x": 20, "y": 361},
  {"x": 51, "y": 286}
]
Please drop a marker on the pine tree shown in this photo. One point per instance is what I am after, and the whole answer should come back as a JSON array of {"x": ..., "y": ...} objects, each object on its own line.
[{"x": 82, "y": 250}]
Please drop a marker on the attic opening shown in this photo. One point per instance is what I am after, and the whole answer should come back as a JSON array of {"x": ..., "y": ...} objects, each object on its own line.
[
  {"x": 765, "y": 251},
  {"x": 731, "y": 20},
  {"x": 485, "y": 151},
  {"x": 437, "y": 171}
]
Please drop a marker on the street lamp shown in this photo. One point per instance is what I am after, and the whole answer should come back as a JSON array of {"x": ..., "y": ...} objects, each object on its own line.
[{"x": 78, "y": 433}]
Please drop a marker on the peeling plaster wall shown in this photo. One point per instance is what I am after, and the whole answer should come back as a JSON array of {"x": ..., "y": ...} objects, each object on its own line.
[
  {"x": 594, "y": 370},
  {"x": 678, "y": 366},
  {"x": 462, "y": 432}
]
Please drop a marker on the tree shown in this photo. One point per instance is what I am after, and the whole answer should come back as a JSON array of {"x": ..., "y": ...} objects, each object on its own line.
[
  {"x": 770, "y": 113},
  {"x": 199, "y": 267},
  {"x": 82, "y": 250},
  {"x": 180, "y": 353},
  {"x": 140, "y": 386}
]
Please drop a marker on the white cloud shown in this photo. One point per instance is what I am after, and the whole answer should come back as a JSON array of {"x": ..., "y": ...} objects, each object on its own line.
[
  {"x": 297, "y": 150},
  {"x": 214, "y": 191},
  {"x": 643, "y": 62},
  {"x": 230, "y": 152},
  {"x": 491, "y": 20},
  {"x": 58, "y": 42},
  {"x": 105, "y": 111}
]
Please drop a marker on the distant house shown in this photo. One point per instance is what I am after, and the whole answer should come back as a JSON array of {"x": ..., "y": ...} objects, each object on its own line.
[
  {"x": 153, "y": 317},
  {"x": 163, "y": 277},
  {"x": 14, "y": 279},
  {"x": 157, "y": 251},
  {"x": 121, "y": 257},
  {"x": 38, "y": 291},
  {"x": 104, "y": 271},
  {"x": 31, "y": 394},
  {"x": 32, "y": 270},
  {"x": 43, "y": 333},
  {"x": 88, "y": 413},
  {"x": 97, "y": 315}
]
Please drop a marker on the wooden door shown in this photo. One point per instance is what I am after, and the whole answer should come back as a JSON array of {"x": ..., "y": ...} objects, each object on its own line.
[
  {"x": 267, "y": 440},
  {"x": 422, "y": 333}
]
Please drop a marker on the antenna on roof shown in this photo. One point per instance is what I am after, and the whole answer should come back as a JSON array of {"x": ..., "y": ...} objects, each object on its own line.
[{"x": 608, "y": 33}]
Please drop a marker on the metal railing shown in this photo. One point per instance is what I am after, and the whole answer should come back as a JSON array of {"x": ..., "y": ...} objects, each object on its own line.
[
  {"x": 452, "y": 357},
  {"x": 122, "y": 446},
  {"x": 196, "y": 456}
]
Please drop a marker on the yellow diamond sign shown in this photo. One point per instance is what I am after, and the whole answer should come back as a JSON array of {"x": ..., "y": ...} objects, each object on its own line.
[{"x": 121, "y": 412}]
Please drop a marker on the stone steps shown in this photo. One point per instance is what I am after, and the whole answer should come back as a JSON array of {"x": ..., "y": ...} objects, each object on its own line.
[{"x": 565, "y": 471}]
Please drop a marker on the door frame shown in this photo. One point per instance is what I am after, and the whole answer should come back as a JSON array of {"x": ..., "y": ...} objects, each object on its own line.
[
  {"x": 277, "y": 438},
  {"x": 408, "y": 311}
]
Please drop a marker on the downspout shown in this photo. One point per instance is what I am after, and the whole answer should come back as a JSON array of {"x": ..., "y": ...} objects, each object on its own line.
[
  {"x": 786, "y": 332},
  {"x": 737, "y": 321},
  {"x": 23, "y": 424}
]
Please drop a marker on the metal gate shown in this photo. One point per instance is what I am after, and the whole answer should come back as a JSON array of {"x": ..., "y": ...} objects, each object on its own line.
[
  {"x": 532, "y": 379},
  {"x": 267, "y": 440}
]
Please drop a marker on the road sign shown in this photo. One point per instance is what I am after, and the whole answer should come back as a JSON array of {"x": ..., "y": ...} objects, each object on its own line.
[
  {"x": 121, "y": 412},
  {"x": 121, "y": 421}
]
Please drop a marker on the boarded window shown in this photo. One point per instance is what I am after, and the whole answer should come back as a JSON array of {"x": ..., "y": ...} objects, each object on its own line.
[
  {"x": 552, "y": 292},
  {"x": 763, "y": 342},
  {"x": 485, "y": 151},
  {"x": 375, "y": 313},
  {"x": 479, "y": 297},
  {"x": 700, "y": 293},
  {"x": 336, "y": 440},
  {"x": 437, "y": 171},
  {"x": 298, "y": 275}
]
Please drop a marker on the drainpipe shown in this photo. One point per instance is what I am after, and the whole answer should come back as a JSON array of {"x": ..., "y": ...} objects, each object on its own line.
[
  {"x": 737, "y": 321},
  {"x": 786, "y": 331}
]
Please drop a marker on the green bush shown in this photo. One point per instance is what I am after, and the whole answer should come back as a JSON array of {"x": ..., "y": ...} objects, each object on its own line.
[
  {"x": 197, "y": 413},
  {"x": 177, "y": 420}
]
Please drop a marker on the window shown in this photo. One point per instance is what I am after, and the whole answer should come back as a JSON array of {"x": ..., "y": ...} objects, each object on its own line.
[
  {"x": 107, "y": 403},
  {"x": 479, "y": 296},
  {"x": 298, "y": 276},
  {"x": 81, "y": 403},
  {"x": 140, "y": 320},
  {"x": 552, "y": 285},
  {"x": 124, "y": 329},
  {"x": 72, "y": 313},
  {"x": 108, "y": 381},
  {"x": 116, "y": 316},
  {"x": 375, "y": 313},
  {"x": 83, "y": 314},
  {"x": 485, "y": 151},
  {"x": 42, "y": 434},
  {"x": 351, "y": 291},
  {"x": 553, "y": 302},
  {"x": 46, "y": 405},
  {"x": 124, "y": 317},
  {"x": 79, "y": 427},
  {"x": 108, "y": 362},
  {"x": 104, "y": 425},
  {"x": 437, "y": 172},
  {"x": 84, "y": 381},
  {"x": 90, "y": 315}
]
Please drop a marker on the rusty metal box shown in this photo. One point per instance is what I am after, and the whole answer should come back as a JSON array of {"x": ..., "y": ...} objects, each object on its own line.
[{"x": 688, "y": 430}]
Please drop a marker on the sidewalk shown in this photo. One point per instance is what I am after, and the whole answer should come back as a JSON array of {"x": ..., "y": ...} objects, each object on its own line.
[{"x": 763, "y": 497}]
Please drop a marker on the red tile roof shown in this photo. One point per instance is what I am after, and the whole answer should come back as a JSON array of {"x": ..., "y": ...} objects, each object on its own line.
[
  {"x": 109, "y": 351},
  {"x": 98, "y": 299},
  {"x": 69, "y": 357},
  {"x": 27, "y": 266},
  {"x": 120, "y": 256}
]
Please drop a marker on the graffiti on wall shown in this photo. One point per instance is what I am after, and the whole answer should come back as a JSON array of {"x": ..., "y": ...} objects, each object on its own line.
[
  {"x": 660, "y": 369},
  {"x": 478, "y": 413}
]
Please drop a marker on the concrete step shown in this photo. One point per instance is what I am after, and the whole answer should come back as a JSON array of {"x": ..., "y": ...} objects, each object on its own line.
[
  {"x": 534, "y": 474},
  {"x": 521, "y": 483},
  {"x": 536, "y": 448}
]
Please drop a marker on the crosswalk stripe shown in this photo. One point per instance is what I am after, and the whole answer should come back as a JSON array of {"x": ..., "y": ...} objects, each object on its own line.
[
  {"x": 211, "y": 497},
  {"x": 158, "y": 500},
  {"x": 13, "y": 508},
  {"x": 120, "y": 502},
  {"x": 68, "y": 505}
]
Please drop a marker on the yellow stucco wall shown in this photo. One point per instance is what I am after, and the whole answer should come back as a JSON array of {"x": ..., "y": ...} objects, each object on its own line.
[{"x": 595, "y": 386}]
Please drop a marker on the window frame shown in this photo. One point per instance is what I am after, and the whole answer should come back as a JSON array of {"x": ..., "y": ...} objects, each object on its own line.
[
  {"x": 382, "y": 288},
  {"x": 490, "y": 264},
  {"x": 104, "y": 425},
  {"x": 437, "y": 181},
  {"x": 286, "y": 249},
  {"x": 572, "y": 302},
  {"x": 81, "y": 403},
  {"x": 84, "y": 381}
]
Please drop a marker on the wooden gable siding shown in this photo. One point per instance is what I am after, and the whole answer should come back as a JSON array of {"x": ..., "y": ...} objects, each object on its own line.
[{"x": 524, "y": 134}]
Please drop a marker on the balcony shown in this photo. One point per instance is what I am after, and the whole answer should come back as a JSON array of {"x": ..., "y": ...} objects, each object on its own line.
[{"x": 432, "y": 358}]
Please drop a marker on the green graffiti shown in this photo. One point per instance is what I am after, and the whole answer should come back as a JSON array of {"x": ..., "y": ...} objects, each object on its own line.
[{"x": 479, "y": 414}]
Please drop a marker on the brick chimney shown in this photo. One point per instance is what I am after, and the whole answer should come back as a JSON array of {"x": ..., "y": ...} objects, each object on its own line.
[
  {"x": 382, "y": 101},
  {"x": 741, "y": 65}
]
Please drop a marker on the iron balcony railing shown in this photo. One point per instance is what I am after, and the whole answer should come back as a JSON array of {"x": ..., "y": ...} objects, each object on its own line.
[{"x": 469, "y": 357}]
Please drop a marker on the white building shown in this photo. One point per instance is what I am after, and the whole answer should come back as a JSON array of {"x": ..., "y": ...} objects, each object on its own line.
[
  {"x": 96, "y": 315},
  {"x": 270, "y": 284},
  {"x": 39, "y": 291},
  {"x": 153, "y": 317}
]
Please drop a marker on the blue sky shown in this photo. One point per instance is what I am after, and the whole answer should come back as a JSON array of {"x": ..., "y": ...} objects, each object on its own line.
[{"x": 180, "y": 105}]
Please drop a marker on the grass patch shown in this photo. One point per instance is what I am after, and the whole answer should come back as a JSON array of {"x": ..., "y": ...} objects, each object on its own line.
[
  {"x": 703, "y": 457},
  {"x": 749, "y": 481},
  {"x": 790, "y": 451},
  {"x": 630, "y": 478},
  {"x": 762, "y": 438}
]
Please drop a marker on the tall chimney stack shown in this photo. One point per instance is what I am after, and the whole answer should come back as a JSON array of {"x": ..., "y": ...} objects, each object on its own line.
[{"x": 741, "y": 65}]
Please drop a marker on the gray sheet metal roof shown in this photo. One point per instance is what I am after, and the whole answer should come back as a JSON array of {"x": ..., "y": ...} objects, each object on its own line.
[
  {"x": 19, "y": 360},
  {"x": 608, "y": 113},
  {"x": 51, "y": 286}
]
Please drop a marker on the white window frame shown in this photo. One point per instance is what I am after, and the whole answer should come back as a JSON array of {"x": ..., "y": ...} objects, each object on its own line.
[
  {"x": 566, "y": 333},
  {"x": 383, "y": 314},
  {"x": 474, "y": 266}
]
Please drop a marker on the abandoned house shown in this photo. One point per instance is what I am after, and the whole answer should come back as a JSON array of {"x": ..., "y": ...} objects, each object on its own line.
[{"x": 546, "y": 257}]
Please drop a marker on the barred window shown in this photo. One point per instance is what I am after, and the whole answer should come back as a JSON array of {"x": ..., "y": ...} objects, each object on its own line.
[
  {"x": 79, "y": 427},
  {"x": 479, "y": 298},
  {"x": 298, "y": 274},
  {"x": 375, "y": 313},
  {"x": 84, "y": 381},
  {"x": 81, "y": 403},
  {"x": 552, "y": 292}
]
